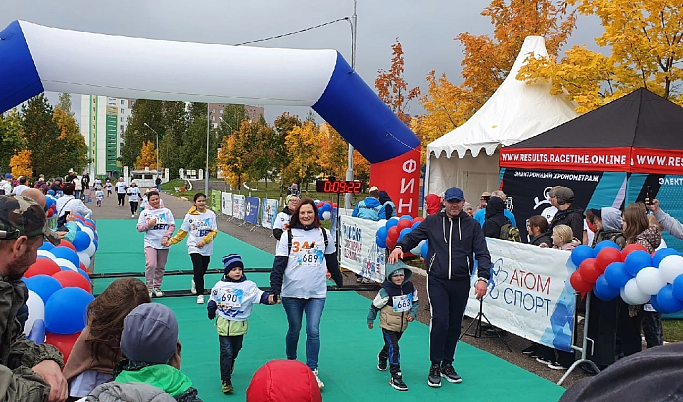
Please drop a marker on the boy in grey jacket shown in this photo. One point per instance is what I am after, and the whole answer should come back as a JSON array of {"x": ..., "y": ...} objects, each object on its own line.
[{"x": 397, "y": 305}]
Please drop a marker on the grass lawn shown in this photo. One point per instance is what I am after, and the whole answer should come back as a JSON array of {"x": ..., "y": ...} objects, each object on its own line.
[{"x": 673, "y": 330}]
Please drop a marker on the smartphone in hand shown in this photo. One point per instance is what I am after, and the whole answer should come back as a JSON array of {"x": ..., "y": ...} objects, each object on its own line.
[{"x": 649, "y": 200}]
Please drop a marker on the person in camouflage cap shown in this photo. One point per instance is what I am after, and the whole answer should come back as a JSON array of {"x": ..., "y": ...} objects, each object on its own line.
[{"x": 28, "y": 371}]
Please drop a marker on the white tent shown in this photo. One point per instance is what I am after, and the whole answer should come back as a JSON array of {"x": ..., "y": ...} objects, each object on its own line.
[{"x": 515, "y": 112}]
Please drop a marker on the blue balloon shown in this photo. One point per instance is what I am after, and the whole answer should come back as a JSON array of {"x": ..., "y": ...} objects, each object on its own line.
[
  {"x": 581, "y": 253},
  {"x": 604, "y": 244},
  {"x": 416, "y": 224},
  {"x": 51, "y": 192},
  {"x": 391, "y": 223},
  {"x": 91, "y": 221},
  {"x": 320, "y": 214},
  {"x": 655, "y": 304},
  {"x": 667, "y": 302},
  {"x": 45, "y": 286},
  {"x": 81, "y": 241},
  {"x": 67, "y": 253},
  {"x": 327, "y": 207},
  {"x": 604, "y": 291},
  {"x": 381, "y": 242},
  {"x": 637, "y": 260},
  {"x": 406, "y": 217},
  {"x": 616, "y": 275},
  {"x": 424, "y": 249},
  {"x": 85, "y": 275},
  {"x": 65, "y": 311},
  {"x": 95, "y": 243},
  {"x": 382, "y": 233},
  {"x": 403, "y": 233},
  {"x": 47, "y": 246},
  {"x": 678, "y": 287},
  {"x": 661, "y": 254}
]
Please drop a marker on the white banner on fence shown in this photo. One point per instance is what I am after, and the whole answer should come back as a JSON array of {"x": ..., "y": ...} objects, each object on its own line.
[
  {"x": 529, "y": 293},
  {"x": 239, "y": 206},
  {"x": 268, "y": 213},
  {"x": 358, "y": 249},
  {"x": 226, "y": 204}
]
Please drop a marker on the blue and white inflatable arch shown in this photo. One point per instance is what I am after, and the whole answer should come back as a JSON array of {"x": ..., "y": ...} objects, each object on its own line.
[{"x": 35, "y": 58}]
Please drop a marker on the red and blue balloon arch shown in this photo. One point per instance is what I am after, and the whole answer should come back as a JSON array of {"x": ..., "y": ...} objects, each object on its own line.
[{"x": 37, "y": 58}]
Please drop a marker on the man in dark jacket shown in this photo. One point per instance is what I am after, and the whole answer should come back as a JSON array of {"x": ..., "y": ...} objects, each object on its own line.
[
  {"x": 453, "y": 238},
  {"x": 562, "y": 198},
  {"x": 495, "y": 218}
]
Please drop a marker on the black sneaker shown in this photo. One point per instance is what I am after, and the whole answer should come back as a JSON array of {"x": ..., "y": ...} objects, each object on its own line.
[
  {"x": 434, "y": 378},
  {"x": 543, "y": 361},
  {"x": 528, "y": 351},
  {"x": 397, "y": 382},
  {"x": 448, "y": 372},
  {"x": 381, "y": 363}
]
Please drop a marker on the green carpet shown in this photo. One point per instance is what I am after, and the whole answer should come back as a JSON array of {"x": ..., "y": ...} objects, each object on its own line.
[{"x": 347, "y": 361}]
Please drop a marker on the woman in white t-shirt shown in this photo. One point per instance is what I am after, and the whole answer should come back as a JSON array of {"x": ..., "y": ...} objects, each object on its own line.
[
  {"x": 200, "y": 224},
  {"x": 158, "y": 225},
  {"x": 133, "y": 198},
  {"x": 304, "y": 255}
]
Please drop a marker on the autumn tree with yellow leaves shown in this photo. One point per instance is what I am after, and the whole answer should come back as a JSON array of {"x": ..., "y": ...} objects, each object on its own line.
[
  {"x": 147, "y": 157},
  {"x": 644, "y": 39},
  {"x": 392, "y": 87},
  {"x": 20, "y": 163},
  {"x": 303, "y": 149}
]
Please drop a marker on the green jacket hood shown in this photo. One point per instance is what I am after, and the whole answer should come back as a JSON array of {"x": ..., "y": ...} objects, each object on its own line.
[
  {"x": 390, "y": 268},
  {"x": 163, "y": 376}
]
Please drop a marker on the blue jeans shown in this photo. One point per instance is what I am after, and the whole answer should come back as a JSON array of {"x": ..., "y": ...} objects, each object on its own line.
[
  {"x": 295, "y": 310},
  {"x": 230, "y": 348}
]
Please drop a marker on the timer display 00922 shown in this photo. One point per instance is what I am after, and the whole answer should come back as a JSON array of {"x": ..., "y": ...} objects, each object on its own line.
[{"x": 338, "y": 187}]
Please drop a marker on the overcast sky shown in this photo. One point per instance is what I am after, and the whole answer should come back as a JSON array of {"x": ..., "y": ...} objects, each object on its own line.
[{"x": 426, "y": 28}]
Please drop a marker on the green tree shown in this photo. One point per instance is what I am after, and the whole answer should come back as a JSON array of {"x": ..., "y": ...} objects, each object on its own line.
[
  {"x": 65, "y": 103},
  {"x": 42, "y": 137},
  {"x": 144, "y": 111},
  {"x": 72, "y": 144},
  {"x": 283, "y": 125},
  {"x": 172, "y": 136},
  {"x": 11, "y": 137}
]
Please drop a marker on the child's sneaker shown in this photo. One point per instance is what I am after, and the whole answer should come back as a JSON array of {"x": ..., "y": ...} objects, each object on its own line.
[
  {"x": 381, "y": 363},
  {"x": 200, "y": 299},
  {"x": 193, "y": 288},
  {"x": 151, "y": 293},
  {"x": 321, "y": 385},
  {"x": 397, "y": 382},
  {"x": 158, "y": 292},
  {"x": 227, "y": 387}
]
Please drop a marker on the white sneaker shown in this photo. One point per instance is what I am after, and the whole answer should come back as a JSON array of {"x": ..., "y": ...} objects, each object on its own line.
[
  {"x": 200, "y": 299},
  {"x": 321, "y": 385},
  {"x": 151, "y": 293},
  {"x": 193, "y": 288},
  {"x": 158, "y": 292}
]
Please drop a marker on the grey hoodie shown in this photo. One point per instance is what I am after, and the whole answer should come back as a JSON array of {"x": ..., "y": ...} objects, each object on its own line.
[{"x": 128, "y": 392}]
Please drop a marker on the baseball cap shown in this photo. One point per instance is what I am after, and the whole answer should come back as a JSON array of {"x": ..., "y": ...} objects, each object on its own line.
[
  {"x": 22, "y": 216},
  {"x": 453, "y": 193},
  {"x": 8, "y": 176}
]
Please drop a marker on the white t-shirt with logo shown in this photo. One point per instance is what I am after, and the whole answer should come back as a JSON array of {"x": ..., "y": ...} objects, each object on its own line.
[
  {"x": 19, "y": 189},
  {"x": 198, "y": 226},
  {"x": 281, "y": 220},
  {"x": 155, "y": 233},
  {"x": 121, "y": 187},
  {"x": 304, "y": 276},
  {"x": 133, "y": 194},
  {"x": 235, "y": 299}
]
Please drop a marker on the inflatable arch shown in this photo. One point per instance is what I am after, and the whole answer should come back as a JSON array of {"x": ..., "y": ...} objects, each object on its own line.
[{"x": 37, "y": 58}]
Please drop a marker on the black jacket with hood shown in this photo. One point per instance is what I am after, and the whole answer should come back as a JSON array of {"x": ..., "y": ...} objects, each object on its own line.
[
  {"x": 572, "y": 217},
  {"x": 495, "y": 218},
  {"x": 452, "y": 243}
]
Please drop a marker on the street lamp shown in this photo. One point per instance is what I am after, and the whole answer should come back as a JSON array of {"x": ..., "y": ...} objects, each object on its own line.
[
  {"x": 349, "y": 170},
  {"x": 208, "y": 130},
  {"x": 154, "y": 131}
]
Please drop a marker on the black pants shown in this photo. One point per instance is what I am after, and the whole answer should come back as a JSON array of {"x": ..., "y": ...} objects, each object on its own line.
[
  {"x": 602, "y": 329},
  {"x": 122, "y": 198},
  {"x": 652, "y": 328},
  {"x": 448, "y": 299},
  {"x": 200, "y": 263},
  {"x": 133, "y": 207},
  {"x": 230, "y": 348},
  {"x": 629, "y": 331},
  {"x": 390, "y": 350}
]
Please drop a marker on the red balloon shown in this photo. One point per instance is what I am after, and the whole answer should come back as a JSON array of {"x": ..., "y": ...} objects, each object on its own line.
[
  {"x": 42, "y": 266},
  {"x": 589, "y": 270},
  {"x": 80, "y": 218},
  {"x": 65, "y": 343},
  {"x": 334, "y": 205},
  {"x": 607, "y": 256},
  {"x": 404, "y": 224},
  {"x": 50, "y": 212},
  {"x": 579, "y": 284},
  {"x": 69, "y": 278},
  {"x": 66, "y": 243},
  {"x": 392, "y": 234},
  {"x": 418, "y": 219},
  {"x": 631, "y": 248}
]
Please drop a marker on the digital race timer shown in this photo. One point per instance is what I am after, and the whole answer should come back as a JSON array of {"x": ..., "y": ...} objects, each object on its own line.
[{"x": 339, "y": 187}]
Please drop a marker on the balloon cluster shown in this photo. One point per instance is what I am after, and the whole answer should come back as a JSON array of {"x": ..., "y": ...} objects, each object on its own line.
[
  {"x": 51, "y": 204},
  {"x": 325, "y": 209},
  {"x": 633, "y": 274},
  {"x": 60, "y": 289},
  {"x": 389, "y": 232}
]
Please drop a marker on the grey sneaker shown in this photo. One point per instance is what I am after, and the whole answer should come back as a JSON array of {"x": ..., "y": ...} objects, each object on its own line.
[
  {"x": 434, "y": 378},
  {"x": 381, "y": 363},
  {"x": 397, "y": 382},
  {"x": 448, "y": 372}
]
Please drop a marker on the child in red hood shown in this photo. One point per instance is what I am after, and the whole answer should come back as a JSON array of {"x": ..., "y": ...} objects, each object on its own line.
[{"x": 433, "y": 204}]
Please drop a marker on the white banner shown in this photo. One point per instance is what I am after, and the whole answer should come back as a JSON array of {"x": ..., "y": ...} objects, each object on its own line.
[
  {"x": 239, "y": 206},
  {"x": 268, "y": 213},
  {"x": 226, "y": 203},
  {"x": 358, "y": 250},
  {"x": 529, "y": 293}
]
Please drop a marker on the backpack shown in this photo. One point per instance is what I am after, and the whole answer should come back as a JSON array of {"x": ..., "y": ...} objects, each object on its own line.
[
  {"x": 511, "y": 233},
  {"x": 289, "y": 240}
]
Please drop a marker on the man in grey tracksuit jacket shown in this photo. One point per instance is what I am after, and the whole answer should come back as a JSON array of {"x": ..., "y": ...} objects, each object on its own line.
[{"x": 454, "y": 240}]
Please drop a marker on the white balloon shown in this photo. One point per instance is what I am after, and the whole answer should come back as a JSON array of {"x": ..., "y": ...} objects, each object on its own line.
[
  {"x": 36, "y": 310},
  {"x": 84, "y": 258},
  {"x": 327, "y": 215},
  {"x": 416, "y": 250},
  {"x": 89, "y": 231},
  {"x": 316, "y": 202},
  {"x": 80, "y": 224},
  {"x": 63, "y": 262},
  {"x": 381, "y": 223},
  {"x": 670, "y": 267},
  {"x": 649, "y": 280},
  {"x": 632, "y": 295},
  {"x": 47, "y": 254},
  {"x": 90, "y": 250}
]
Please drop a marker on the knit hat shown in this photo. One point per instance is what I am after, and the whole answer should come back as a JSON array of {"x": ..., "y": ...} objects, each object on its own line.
[
  {"x": 150, "y": 334},
  {"x": 398, "y": 272},
  {"x": 8, "y": 176},
  {"x": 231, "y": 261}
]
